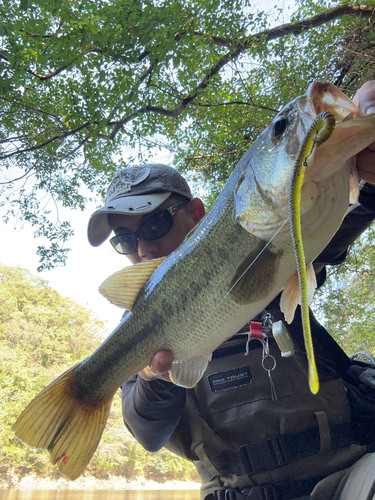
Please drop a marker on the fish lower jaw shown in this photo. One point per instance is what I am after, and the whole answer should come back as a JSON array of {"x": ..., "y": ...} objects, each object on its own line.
[{"x": 278, "y": 231}]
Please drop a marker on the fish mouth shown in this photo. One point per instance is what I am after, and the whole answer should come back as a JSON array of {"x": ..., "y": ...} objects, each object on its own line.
[
  {"x": 320, "y": 97},
  {"x": 352, "y": 132},
  {"x": 324, "y": 96},
  {"x": 265, "y": 212}
]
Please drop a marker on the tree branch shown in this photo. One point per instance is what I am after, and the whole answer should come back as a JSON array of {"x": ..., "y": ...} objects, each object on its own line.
[
  {"x": 88, "y": 136},
  {"x": 51, "y": 74},
  {"x": 147, "y": 73},
  {"x": 294, "y": 28},
  {"x": 3, "y": 56},
  {"x": 245, "y": 103},
  {"x": 31, "y": 35},
  {"x": 18, "y": 178},
  {"x": 35, "y": 110},
  {"x": 52, "y": 139},
  {"x": 236, "y": 49},
  {"x": 278, "y": 32},
  {"x": 243, "y": 45}
]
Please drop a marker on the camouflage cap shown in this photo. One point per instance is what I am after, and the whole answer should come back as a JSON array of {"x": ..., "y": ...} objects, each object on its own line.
[{"x": 136, "y": 190}]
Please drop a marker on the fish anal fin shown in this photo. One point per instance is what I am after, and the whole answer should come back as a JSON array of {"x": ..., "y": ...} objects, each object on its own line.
[
  {"x": 188, "y": 373},
  {"x": 291, "y": 294},
  {"x": 55, "y": 420},
  {"x": 123, "y": 287}
]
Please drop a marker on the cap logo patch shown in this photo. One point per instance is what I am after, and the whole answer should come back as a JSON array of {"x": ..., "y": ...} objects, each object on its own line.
[
  {"x": 125, "y": 180},
  {"x": 173, "y": 181}
]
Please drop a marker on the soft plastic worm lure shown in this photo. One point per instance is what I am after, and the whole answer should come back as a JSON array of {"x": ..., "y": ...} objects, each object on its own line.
[{"x": 320, "y": 130}]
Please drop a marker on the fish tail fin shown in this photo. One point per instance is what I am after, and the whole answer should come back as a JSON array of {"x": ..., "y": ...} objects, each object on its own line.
[{"x": 57, "y": 421}]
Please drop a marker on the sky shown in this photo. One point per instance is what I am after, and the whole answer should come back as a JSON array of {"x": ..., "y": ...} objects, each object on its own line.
[{"x": 87, "y": 267}]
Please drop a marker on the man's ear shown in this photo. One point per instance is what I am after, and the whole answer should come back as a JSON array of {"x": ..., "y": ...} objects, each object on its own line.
[{"x": 196, "y": 208}]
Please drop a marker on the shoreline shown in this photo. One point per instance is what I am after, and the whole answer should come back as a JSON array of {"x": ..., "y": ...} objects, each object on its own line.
[{"x": 32, "y": 482}]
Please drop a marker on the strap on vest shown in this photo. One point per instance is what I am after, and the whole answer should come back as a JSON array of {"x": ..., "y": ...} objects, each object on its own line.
[
  {"x": 272, "y": 453},
  {"x": 281, "y": 491},
  {"x": 255, "y": 493}
]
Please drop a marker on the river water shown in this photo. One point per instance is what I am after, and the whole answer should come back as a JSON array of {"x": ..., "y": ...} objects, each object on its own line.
[{"x": 26, "y": 494}]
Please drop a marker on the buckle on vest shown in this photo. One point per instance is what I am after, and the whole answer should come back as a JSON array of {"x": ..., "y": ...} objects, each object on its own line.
[
  {"x": 266, "y": 455},
  {"x": 254, "y": 493}
]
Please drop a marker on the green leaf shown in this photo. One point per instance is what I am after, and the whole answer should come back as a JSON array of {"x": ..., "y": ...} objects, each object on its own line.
[{"x": 71, "y": 72}]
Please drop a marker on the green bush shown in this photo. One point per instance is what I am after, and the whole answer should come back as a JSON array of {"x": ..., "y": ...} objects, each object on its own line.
[{"x": 41, "y": 335}]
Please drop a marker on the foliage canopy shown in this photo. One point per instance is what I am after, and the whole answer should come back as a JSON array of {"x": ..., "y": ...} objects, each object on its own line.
[
  {"x": 345, "y": 302},
  {"x": 81, "y": 82}
]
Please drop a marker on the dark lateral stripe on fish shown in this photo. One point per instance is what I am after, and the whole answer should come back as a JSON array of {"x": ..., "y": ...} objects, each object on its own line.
[{"x": 246, "y": 283}]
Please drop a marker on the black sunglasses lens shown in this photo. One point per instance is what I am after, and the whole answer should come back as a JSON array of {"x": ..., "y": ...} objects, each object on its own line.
[
  {"x": 152, "y": 229},
  {"x": 156, "y": 226},
  {"x": 124, "y": 244}
]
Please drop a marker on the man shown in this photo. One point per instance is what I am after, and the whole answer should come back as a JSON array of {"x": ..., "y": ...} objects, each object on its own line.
[{"x": 150, "y": 210}]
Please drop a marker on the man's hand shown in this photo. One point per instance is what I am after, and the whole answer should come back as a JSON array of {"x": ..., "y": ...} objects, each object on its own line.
[
  {"x": 160, "y": 364},
  {"x": 365, "y": 100}
]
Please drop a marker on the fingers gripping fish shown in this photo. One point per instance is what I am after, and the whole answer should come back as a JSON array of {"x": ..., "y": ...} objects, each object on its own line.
[{"x": 228, "y": 269}]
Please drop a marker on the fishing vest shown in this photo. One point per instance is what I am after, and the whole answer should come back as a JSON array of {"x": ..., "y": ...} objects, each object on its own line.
[{"x": 250, "y": 423}]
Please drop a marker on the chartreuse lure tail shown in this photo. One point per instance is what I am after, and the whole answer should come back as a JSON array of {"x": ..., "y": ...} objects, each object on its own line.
[
  {"x": 68, "y": 428},
  {"x": 320, "y": 130}
]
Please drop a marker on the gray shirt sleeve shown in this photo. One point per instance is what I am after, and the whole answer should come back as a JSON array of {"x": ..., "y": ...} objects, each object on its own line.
[{"x": 152, "y": 410}]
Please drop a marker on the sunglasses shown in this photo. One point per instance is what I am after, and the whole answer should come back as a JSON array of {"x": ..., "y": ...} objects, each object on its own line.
[{"x": 153, "y": 228}]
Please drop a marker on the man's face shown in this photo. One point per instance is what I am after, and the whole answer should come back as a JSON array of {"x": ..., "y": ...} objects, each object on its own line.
[{"x": 183, "y": 221}]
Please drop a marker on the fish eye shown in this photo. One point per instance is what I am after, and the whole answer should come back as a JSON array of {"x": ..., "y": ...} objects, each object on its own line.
[{"x": 279, "y": 127}]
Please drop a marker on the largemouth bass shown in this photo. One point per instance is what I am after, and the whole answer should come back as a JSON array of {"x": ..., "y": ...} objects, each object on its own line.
[{"x": 227, "y": 270}]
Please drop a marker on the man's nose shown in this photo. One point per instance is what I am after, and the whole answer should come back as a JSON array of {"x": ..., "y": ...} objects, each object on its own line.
[{"x": 146, "y": 249}]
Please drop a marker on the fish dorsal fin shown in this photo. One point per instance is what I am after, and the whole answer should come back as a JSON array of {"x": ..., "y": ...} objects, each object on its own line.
[
  {"x": 123, "y": 287},
  {"x": 291, "y": 294},
  {"x": 188, "y": 373}
]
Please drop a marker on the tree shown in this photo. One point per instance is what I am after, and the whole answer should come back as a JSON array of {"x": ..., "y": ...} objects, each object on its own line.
[
  {"x": 82, "y": 80},
  {"x": 41, "y": 335},
  {"x": 345, "y": 304}
]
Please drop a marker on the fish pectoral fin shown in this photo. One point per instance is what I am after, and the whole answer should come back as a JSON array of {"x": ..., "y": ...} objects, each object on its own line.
[
  {"x": 289, "y": 298},
  {"x": 354, "y": 185},
  {"x": 311, "y": 282},
  {"x": 188, "y": 373},
  {"x": 57, "y": 421},
  {"x": 123, "y": 287},
  {"x": 291, "y": 294}
]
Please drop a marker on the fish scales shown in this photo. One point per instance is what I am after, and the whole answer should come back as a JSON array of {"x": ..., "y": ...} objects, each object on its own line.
[{"x": 225, "y": 244}]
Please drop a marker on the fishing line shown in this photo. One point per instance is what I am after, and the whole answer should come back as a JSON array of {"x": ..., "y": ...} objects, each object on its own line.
[
  {"x": 320, "y": 131},
  {"x": 248, "y": 267}
]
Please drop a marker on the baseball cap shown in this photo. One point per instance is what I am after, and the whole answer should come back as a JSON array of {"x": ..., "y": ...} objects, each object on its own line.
[{"x": 136, "y": 191}]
